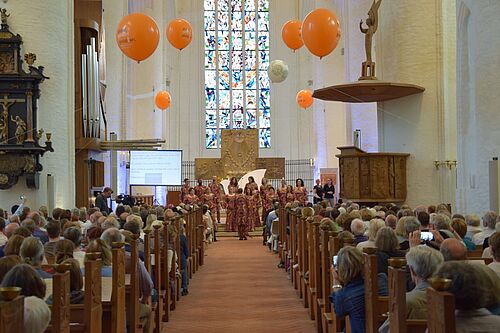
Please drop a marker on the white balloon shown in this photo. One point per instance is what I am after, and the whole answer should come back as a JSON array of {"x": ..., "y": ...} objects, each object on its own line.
[{"x": 277, "y": 71}]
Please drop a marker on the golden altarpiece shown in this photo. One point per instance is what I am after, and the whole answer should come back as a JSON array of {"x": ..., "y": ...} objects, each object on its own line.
[{"x": 239, "y": 155}]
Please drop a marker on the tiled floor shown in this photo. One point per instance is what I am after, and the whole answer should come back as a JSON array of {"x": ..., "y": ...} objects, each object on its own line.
[{"x": 240, "y": 289}]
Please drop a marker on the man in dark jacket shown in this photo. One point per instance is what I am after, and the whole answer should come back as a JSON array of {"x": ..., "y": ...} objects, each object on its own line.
[{"x": 101, "y": 201}]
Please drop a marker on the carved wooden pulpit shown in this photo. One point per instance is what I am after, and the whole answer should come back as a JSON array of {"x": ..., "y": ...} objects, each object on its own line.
[
  {"x": 239, "y": 155},
  {"x": 372, "y": 177},
  {"x": 19, "y": 90}
]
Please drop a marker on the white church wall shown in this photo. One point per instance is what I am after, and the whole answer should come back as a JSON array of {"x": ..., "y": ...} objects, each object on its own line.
[
  {"x": 478, "y": 66},
  {"x": 410, "y": 50},
  {"x": 361, "y": 116},
  {"x": 44, "y": 24}
]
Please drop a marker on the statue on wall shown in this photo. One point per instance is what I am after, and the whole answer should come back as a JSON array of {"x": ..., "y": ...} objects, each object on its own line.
[
  {"x": 20, "y": 137},
  {"x": 20, "y": 129},
  {"x": 368, "y": 69},
  {"x": 4, "y": 16}
]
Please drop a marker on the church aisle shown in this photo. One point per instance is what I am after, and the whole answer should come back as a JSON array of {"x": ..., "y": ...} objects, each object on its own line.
[{"x": 239, "y": 289}]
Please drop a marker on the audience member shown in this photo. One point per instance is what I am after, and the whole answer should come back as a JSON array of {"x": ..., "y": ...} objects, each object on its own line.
[
  {"x": 473, "y": 225},
  {"x": 74, "y": 234},
  {"x": 475, "y": 288},
  {"x": 100, "y": 246},
  {"x": 391, "y": 220},
  {"x": 38, "y": 232},
  {"x": 36, "y": 315},
  {"x": 358, "y": 230},
  {"x": 184, "y": 249},
  {"x": 388, "y": 247},
  {"x": 423, "y": 262},
  {"x": 53, "y": 232},
  {"x": 348, "y": 297},
  {"x": 26, "y": 278},
  {"x": 495, "y": 252},
  {"x": 489, "y": 221},
  {"x": 64, "y": 250},
  {"x": 76, "y": 282},
  {"x": 423, "y": 217},
  {"x": 460, "y": 227},
  {"x": 11, "y": 228},
  {"x": 7, "y": 263},
  {"x": 453, "y": 249},
  {"x": 31, "y": 253},
  {"x": 373, "y": 228},
  {"x": 13, "y": 245},
  {"x": 3, "y": 236}
]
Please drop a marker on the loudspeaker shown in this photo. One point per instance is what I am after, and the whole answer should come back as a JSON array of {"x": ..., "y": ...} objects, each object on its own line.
[
  {"x": 51, "y": 193},
  {"x": 494, "y": 179}
]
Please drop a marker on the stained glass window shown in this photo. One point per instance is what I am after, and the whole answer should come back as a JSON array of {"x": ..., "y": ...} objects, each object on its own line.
[{"x": 236, "y": 59}]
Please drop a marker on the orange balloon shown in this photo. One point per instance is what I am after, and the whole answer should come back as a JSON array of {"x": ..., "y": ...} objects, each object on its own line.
[
  {"x": 305, "y": 98},
  {"x": 292, "y": 35},
  {"x": 321, "y": 32},
  {"x": 179, "y": 33},
  {"x": 137, "y": 36},
  {"x": 162, "y": 100}
]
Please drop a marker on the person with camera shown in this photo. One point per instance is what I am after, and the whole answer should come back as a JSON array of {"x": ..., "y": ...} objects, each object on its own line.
[{"x": 101, "y": 201}]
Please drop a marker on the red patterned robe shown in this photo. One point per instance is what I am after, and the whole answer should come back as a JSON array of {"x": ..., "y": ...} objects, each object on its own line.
[
  {"x": 209, "y": 200},
  {"x": 230, "y": 206},
  {"x": 200, "y": 190},
  {"x": 232, "y": 189},
  {"x": 290, "y": 197},
  {"x": 253, "y": 210},
  {"x": 300, "y": 194},
  {"x": 253, "y": 186},
  {"x": 215, "y": 188},
  {"x": 191, "y": 199},
  {"x": 241, "y": 215},
  {"x": 263, "y": 199},
  {"x": 282, "y": 196},
  {"x": 184, "y": 192}
]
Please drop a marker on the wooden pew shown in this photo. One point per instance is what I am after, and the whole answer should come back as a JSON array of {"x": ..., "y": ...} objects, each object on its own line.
[
  {"x": 477, "y": 253},
  {"x": 60, "y": 317},
  {"x": 294, "y": 246},
  {"x": 92, "y": 299},
  {"x": 282, "y": 234},
  {"x": 303, "y": 260},
  {"x": 178, "y": 279},
  {"x": 133, "y": 304},
  {"x": 441, "y": 305},
  {"x": 376, "y": 306},
  {"x": 314, "y": 270},
  {"x": 200, "y": 240},
  {"x": 11, "y": 311},
  {"x": 165, "y": 280},
  {"x": 158, "y": 307},
  {"x": 331, "y": 322},
  {"x": 147, "y": 250},
  {"x": 118, "y": 320},
  {"x": 397, "y": 300}
]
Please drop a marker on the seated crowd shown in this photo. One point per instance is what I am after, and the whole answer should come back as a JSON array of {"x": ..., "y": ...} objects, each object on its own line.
[
  {"x": 434, "y": 243},
  {"x": 31, "y": 241}
]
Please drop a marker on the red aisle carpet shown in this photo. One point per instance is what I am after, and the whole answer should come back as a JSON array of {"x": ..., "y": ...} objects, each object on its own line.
[{"x": 240, "y": 289}]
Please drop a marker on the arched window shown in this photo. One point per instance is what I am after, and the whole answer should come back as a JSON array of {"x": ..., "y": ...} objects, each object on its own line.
[{"x": 236, "y": 61}]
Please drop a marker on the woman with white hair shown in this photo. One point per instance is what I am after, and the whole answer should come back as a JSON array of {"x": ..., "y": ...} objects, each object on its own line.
[
  {"x": 489, "y": 221},
  {"x": 373, "y": 228},
  {"x": 422, "y": 262}
]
